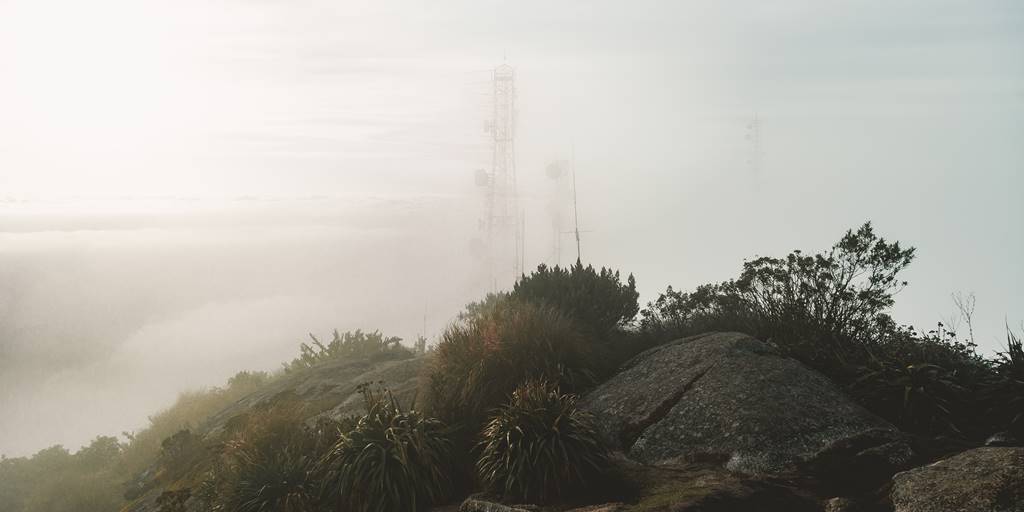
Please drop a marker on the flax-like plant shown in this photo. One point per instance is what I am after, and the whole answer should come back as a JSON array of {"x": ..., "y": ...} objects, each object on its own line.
[
  {"x": 267, "y": 463},
  {"x": 919, "y": 398},
  {"x": 540, "y": 446},
  {"x": 1006, "y": 394},
  {"x": 393, "y": 459},
  {"x": 280, "y": 481}
]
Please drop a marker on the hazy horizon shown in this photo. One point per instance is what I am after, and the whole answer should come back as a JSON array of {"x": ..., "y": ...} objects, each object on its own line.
[{"x": 183, "y": 178}]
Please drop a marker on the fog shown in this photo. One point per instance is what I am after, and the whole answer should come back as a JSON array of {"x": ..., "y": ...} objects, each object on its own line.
[{"x": 187, "y": 189}]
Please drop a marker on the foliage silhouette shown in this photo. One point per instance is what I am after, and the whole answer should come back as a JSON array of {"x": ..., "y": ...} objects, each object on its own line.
[
  {"x": 598, "y": 300},
  {"x": 349, "y": 345}
]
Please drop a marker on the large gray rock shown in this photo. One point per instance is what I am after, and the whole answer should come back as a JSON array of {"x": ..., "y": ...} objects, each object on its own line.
[
  {"x": 989, "y": 479},
  {"x": 329, "y": 388},
  {"x": 731, "y": 399},
  {"x": 481, "y": 504}
]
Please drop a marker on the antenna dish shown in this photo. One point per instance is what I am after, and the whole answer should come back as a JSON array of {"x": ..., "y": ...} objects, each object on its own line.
[
  {"x": 557, "y": 169},
  {"x": 482, "y": 178}
]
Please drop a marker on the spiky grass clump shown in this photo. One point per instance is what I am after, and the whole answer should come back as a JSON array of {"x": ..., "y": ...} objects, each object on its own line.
[
  {"x": 1007, "y": 393},
  {"x": 268, "y": 462},
  {"x": 278, "y": 481},
  {"x": 540, "y": 446},
  {"x": 918, "y": 398},
  {"x": 392, "y": 460}
]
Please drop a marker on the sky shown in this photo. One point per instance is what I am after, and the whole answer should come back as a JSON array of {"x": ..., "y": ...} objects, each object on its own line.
[{"x": 188, "y": 188}]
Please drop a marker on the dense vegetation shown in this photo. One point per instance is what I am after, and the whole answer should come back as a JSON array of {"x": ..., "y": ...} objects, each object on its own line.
[
  {"x": 264, "y": 461},
  {"x": 540, "y": 446},
  {"x": 500, "y": 388},
  {"x": 101, "y": 476},
  {"x": 94, "y": 478},
  {"x": 831, "y": 311},
  {"x": 598, "y": 300},
  {"x": 482, "y": 359},
  {"x": 356, "y": 344},
  {"x": 391, "y": 459}
]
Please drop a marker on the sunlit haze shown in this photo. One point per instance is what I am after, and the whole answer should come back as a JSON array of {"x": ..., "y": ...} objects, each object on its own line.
[{"x": 225, "y": 177}]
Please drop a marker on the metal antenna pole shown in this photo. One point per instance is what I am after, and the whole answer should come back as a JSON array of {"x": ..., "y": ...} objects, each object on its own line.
[
  {"x": 754, "y": 137},
  {"x": 575, "y": 207},
  {"x": 505, "y": 246}
]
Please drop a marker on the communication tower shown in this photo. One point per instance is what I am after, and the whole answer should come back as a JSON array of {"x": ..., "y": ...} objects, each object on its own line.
[
  {"x": 503, "y": 221},
  {"x": 754, "y": 138}
]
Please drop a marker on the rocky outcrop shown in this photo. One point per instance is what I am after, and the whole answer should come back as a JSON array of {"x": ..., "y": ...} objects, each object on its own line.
[
  {"x": 328, "y": 389},
  {"x": 989, "y": 479},
  {"x": 707, "y": 488},
  {"x": 480, "y": 504},
  {"x": 730, "y": 399}
]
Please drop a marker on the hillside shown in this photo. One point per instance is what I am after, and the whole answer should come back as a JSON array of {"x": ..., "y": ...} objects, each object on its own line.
[
  {"x": 787, "y": 388},
  {"x": 327, "y": 389}
]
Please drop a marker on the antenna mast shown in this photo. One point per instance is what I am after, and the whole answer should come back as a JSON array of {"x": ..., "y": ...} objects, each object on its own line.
[
  {"x": 575, "y": 207},
  {"x": 504, "y": 223},
  {"x": 754, "y": 137}
]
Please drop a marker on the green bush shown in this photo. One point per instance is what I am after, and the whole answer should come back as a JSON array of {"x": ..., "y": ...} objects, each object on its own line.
[
  {"x": 55, "y": 480},
  {"x": 188, "y": 412},
  {"x": 598, "y": 300},
  {"x": 710, "y": 307},
  {"x": 277, "y": 481},
  {"x": 480, "y": 360},
  {"x": 349, "y": 345},
  {"x": 267, "y": 462},
  {"x": 1006, "y": 393},
  {"x": 918, "y": 398},
  {"x": 831, "y": 311},
  {"x": 540, "y": 446},
  {"x": 391, "y": 460},
  {"x": 929, "y": 384},
  {"x": 179, "y": 453},
  {"x": 825, "y": 309}
]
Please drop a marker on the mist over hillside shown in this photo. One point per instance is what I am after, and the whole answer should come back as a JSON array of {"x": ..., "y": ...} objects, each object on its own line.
[{"x": 187, "y": 190}]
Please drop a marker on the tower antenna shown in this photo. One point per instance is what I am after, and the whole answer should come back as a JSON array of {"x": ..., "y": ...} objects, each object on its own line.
[
  {"x": 754, "y": 137},
  {"x": 575, "y": 207},
  {"x": 503, "y": 222}
]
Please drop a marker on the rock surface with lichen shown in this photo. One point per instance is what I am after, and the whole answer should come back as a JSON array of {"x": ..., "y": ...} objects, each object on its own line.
[
  {"x": 731, "y": 399},
  {"x": 989, "y": 479}
]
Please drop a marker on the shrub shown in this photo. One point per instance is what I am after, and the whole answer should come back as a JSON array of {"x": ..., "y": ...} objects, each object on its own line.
[
  {"x": 831, "y": 311},
  {"x": 270, "y": 481},
  {"x": 55, "y": 480},
  {"x": 929, "y": 384},
  {"x": 840, "y": 294},
  {"x": 392, "y": 459},
  {"x": 188, "y": 411},
  {"x": 598, "y": 300},
  {"x": 918, "y": 398},
  {"x": 1006, "y": 392},
  {"x": 267, "y": 462},
  {"x": 482, "y": 359},
  {"x": 710, "y": 307},
  {"x": 179, "y": 452},
  {"x": 483, "y": 307},
  {"x": 539, "y": 446},
  {"x": 825, "y": 309},
  {"x": 351, "y": 345}
]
